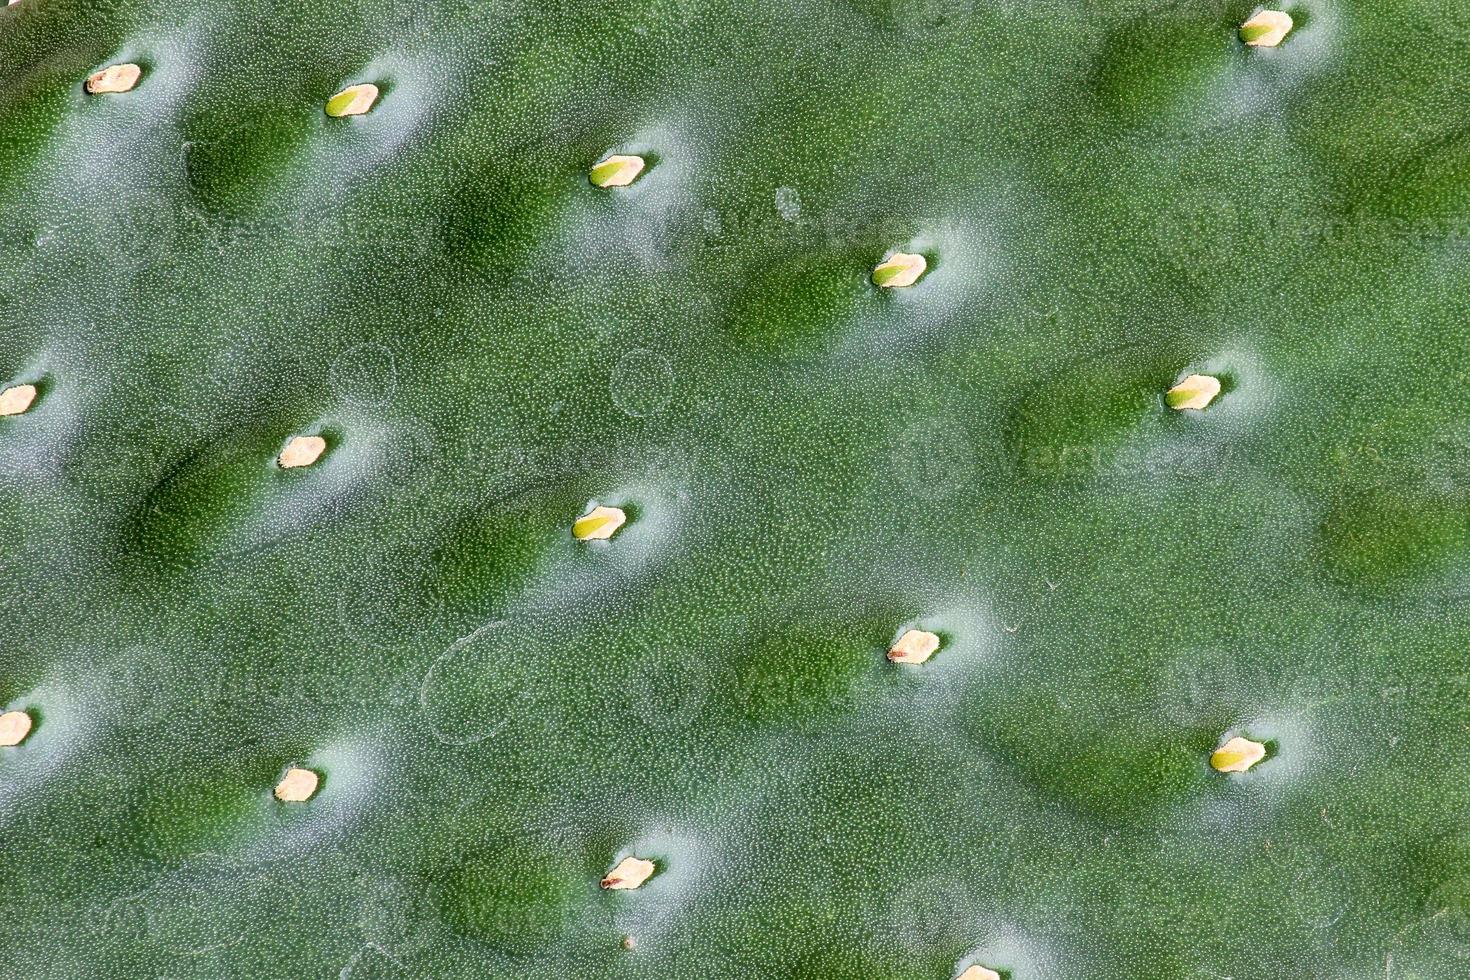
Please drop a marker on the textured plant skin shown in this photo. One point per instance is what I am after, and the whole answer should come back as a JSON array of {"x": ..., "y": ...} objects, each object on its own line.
[{"x": 1110, "y": 196}]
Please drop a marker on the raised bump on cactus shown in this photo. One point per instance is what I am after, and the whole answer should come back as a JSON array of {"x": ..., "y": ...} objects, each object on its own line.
[
  {"x": 14, "y": 727},
  {"x": 114, "y": 78},
  {"x": 1266, "y": 28},
  {"x": 1194, "y": 392},
  {"x": 301, "y": 451},
  {"x": 297, "y": 786},
  {"x": 914, "y": 647},
  {"x": 354, "y": 100},
  {"x": 618, "y": 170},
  {"x": 1237, "y": 755},
  {"x": 979, "y": 973},
  {"x": 599, "y": 524},
  {"x": 17, "y": 399},
  {"x": 899, "y": 270},
  {"x": 630, "y": 873}
]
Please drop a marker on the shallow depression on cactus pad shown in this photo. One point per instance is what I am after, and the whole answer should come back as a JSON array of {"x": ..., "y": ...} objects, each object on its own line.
[{"x": 1109, "y": 199}]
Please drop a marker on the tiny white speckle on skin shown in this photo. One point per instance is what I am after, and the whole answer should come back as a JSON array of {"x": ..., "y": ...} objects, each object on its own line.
[
  {"x": 630, "y": 873},
  {"x": 14, "y": 727}
]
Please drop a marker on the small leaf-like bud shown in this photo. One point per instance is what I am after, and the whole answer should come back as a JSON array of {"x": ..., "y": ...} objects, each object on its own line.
[
  {"x": 14, "y": 727},
  {"x": 296, "y": 786},
  {"x": 914, "y": 647},
  {"x": 1237, "y": 755},
  {"x": 598, "y": 524},
  {"x": 629, "y": 874},
  {"x": 1194, "y": 392},
  {"x": 17, "y": 399},
  {"x": 1265, "y": 29},
  {"x": 899, "y": 270},
  {"x": 114, "y": 78},
  {"x": 979, "y": 973},
  {"x": 301, "y": 451},
  {"x": 354, "y": 100},
  {"x": 618, "y": 170}
]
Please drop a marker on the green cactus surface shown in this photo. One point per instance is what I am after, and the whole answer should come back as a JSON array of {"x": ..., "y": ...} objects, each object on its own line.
[{"x": 801, "y": 459}]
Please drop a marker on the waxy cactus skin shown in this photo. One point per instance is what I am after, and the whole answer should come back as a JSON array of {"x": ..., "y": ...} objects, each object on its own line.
[{"x": 1110, "y": 197}]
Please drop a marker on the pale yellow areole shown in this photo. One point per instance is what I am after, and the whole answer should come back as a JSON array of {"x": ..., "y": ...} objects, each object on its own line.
[
  {"x": 599, "y": 524},
  {"x": 14, "y": 727},
  {"x": 914, "y": 647},
  {"x": 1266, "y": 29},
  {"x": 113, "y": 79},
  {"x": 979, "y": 973},
  {"x": 629, "y": 874},
  {"x": 899, "y": 270},
  {"x": 354, "y": 100},
  {"x": 618, "y": 170},
  {"x": 1237, "y": 755},
  {"x": 296, "y": 786},
  {"x": 1194, "y": 392},
  {"x": 302, "y": 451},
  {"x": 16, "y": 399}
]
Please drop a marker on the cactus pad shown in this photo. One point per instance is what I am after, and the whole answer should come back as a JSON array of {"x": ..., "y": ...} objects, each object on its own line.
[{"x": 465, "y": 467}]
